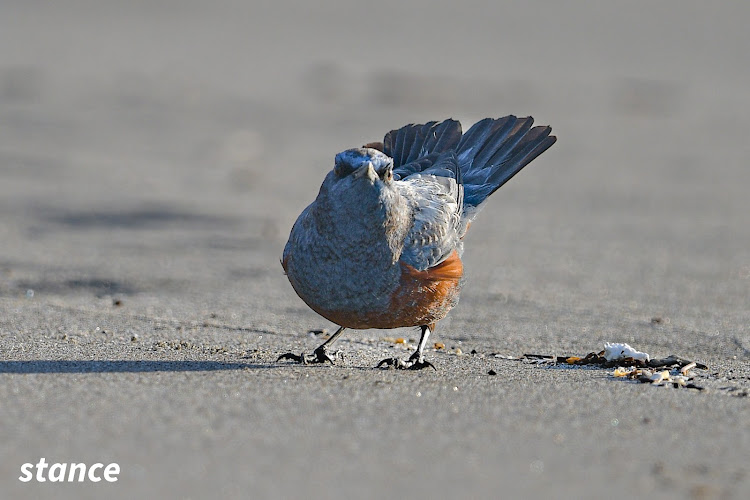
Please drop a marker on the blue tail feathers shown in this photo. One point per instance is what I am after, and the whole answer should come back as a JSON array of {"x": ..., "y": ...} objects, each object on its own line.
[
  {"x": 494, "y": 150},
  {"x": 488, "y": 154}
]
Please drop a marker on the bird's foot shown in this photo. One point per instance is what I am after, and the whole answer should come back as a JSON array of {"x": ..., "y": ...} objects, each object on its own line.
[
  {"x": 319, "y": 355},
  {"x": 415, "y": 362}
]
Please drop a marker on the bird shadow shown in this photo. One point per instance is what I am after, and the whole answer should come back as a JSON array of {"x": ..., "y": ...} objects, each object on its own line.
[{"x": 122, "y": 366}]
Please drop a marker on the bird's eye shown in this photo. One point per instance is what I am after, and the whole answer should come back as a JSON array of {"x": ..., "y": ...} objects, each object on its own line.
[{"x": 386, "y": 175}]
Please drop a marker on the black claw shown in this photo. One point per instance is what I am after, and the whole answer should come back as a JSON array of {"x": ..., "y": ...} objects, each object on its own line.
[
  {"x": 387, "y": 362},
  {"x": 412, "y": 364},
  {"x": 318, "y": 356},
  {"x": 298, "y": 358},
  {"x": 422, "y": 364},
  {"x": 321, "y": 356}
]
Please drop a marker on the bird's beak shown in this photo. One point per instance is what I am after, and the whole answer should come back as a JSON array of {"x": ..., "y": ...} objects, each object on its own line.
[{"x": 365, "y": 170}]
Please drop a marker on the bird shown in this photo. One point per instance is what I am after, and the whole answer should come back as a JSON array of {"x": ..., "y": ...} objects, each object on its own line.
[{"x": 381, "y": 244}]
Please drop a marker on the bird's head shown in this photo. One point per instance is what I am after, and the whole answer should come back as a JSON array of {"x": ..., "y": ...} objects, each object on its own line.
[
  {"x": 359, "y": 198},
  {"x": 364, "y": 163},
  {"x": 360, "y": 180}
]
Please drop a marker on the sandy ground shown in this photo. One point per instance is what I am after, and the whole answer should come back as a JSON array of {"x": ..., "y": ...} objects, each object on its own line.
[{"x": 153, "y": 157}]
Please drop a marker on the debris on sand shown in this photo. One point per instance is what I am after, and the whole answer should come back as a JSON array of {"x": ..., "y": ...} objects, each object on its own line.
[
  {"x": 617, "y": 351},
  {"x": 632, "y": 364},
  {"x": 660, "y": 378}
]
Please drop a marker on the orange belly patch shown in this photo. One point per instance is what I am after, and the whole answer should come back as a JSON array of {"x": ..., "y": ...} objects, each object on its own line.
[{"x": 422, "y": 298}]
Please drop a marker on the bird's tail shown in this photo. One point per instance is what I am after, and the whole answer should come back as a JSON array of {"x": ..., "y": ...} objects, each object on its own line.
[{"x": 494, "y": 150}]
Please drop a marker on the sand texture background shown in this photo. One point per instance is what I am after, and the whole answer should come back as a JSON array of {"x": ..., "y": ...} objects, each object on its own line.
[{"x": 154, "y": 155}]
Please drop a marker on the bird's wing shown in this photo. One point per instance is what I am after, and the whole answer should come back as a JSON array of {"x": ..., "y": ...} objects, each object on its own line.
[
  {"x": 435, "y": 196},
  {"x": 415, "y": 148}
]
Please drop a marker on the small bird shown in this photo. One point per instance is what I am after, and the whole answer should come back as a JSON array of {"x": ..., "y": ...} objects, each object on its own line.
[{"x": 381, "y": 245}]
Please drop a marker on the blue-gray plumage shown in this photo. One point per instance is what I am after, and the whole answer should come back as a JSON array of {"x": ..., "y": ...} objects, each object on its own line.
[{"x": 380, "y": 246}]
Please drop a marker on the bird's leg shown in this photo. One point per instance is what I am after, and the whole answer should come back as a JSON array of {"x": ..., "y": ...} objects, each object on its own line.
[
  {"x": 418, "y": 355},
  {"x": 319, "y": 355},
  {"x": 321, "y": 352},
  {"x": 416, "y": 361}
]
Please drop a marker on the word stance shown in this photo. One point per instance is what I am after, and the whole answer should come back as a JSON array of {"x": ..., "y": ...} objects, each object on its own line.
[{"x": 57, "y": 472}]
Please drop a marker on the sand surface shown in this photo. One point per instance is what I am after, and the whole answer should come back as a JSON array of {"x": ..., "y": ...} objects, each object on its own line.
[{"x": 154, "y": 155}]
